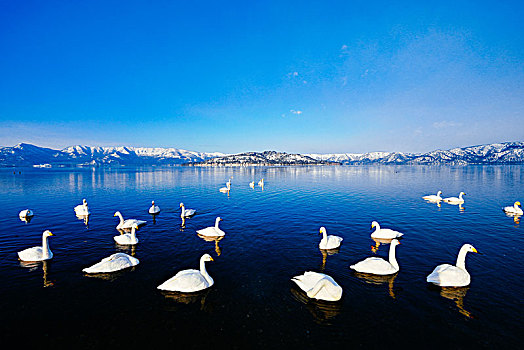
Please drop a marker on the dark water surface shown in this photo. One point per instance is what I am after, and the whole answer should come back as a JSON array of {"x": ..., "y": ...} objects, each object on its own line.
[{"x": 271, "y": 236}]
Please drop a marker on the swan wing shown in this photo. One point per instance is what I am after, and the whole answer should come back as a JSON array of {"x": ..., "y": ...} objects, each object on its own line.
[
  {"x": 386, "y": 233},
  {"x": 32, "y": 254},
  {"x": 211, "y": 231},
  {"x": 374, "y": 265},
  {"x": 446, "y": 275},
  {"x": 331, "y": 242},
  {"x": 308, "y": 280},
  {"x": 115, "y": 262}
]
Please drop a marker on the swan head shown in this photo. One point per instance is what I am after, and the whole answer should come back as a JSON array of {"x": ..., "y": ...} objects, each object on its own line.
[
  {"x": 206, "y": 257},
  {"x": 322, "y": 230},
  {"x": 47, "y": 233},
  {"x": 117, "y": 214},
  {"x": 181, "y": 205},
  {"x": 374, "y": 224},
  {"x": 395, "y": 242},
  {"x": 469, "y": 248},
  {"x": 439, "y": 193},
  {"x": 135, "y": 226},
  {"x": 84, "y": 201},
  {"x": 153, "y": 202},
  {"x": 218, "y": 219},
  {"x": 462, "y": 193},
  {"x": 517, "y": 204}
]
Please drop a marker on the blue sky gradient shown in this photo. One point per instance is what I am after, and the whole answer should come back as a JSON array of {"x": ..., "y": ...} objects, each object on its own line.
[{"x": 293, "y": 76}]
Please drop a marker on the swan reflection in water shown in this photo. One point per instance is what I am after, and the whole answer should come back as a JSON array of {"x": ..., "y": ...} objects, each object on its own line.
[
  {"x": 85, "y": 218},
  {"x": 33, "y": 265},
  {"x": 325, "y": 253},
  {"x": 456, "y": 294},
  {"x": 178, "y": 299},
  {"x": 323, "y": 311},
  {"x": 379, "y": 280},
  {"x": 153, "y": 216},
  {"x": 26, "y": 219},
  {"x": 379, "y": 241},
  {"x": 215, "y": 239},
  {"x": 516, "y": 217},
  {"x": 436, "y": 202}
]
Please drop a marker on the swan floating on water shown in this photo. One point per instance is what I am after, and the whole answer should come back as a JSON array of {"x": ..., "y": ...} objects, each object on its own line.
[
  {"x": 26, "y": 213},
  {"x": 455, "y": 200},
  {"x": 127, "y": 224},
  {"x": 212, "y": 231},
  {"x": 319, "y": 286},
  {"x": 379, "y": 266},
  {"x": 261, "y": 183},
  {"x": 112, "y": 263},
  {"x": 154, "y": 209},
  {"x": 515, "y": 209},
  {"x": 384, "y": 233},
  {"x": 446, "y": 275},
  {"x": 433, "y": 198},
  {"x": 190, "y": 280},
  {"x": 82, "y": 209},
  {"x": 329, "y": 242},
  {"x": 186, "y": 212},
  {"x": 127, "y": 238},
  {"x": 227, "y": 188},
  {"x": 252, "y": 184},
  {"x": 38, "y": 253}
]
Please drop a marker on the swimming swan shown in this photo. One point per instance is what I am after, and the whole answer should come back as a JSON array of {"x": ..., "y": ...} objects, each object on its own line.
[
  {"x": 455, "y": 200},
  {"x": 261, "y": 183},
  {"x": 186, "y": 212},
  {"x": 190, "y": 280},
  {"x": 127, "y": 238},
  {"x": 227, "y": 188},
  {"x": 38, "y": 253},
  {"x": 127, "y": 224},
  {"x": 446, "y": 275},
  {"x": 212, "y": 230},
  {"x": 384, "y": 233},
  {"x": 82, "y": 209},
  {"x": 112, "y": 263},
  {"x": 252, "y": 184},
  {"x": 25, "y": 213},
  {"x": 154, "y": 209},
  {"x": 319, "y": 286},
  {"x": 329, "y": 242},
  {"x": 379, "y": 266},
  {"x": 515, "y": 209},
  {"x": 433, "y": 198}
]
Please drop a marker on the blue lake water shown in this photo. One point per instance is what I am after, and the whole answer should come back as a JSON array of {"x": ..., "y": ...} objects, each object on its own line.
[{"x": 271, "y": 236}]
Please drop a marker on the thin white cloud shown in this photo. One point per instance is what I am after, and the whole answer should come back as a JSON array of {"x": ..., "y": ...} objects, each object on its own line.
[
  {"x": 445, "y": 124},
  {"x": 296, "y": 112}
]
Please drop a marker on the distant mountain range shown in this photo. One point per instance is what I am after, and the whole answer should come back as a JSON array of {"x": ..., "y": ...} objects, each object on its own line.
[{"x": 25, "y": 154}]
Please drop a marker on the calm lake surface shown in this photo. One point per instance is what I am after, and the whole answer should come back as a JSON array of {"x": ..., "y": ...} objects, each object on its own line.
[{"x": 272, "y": 234}]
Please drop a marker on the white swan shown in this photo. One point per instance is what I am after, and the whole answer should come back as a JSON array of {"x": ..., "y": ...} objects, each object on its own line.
[
  {"x": 261, "y": 183},
  {"x": 154, "y": 209},
  {"x": 212, "y": 230},
  {"x": 433, "y": 198},
  {"x": 187, "y": 281},
  {"x": 82, "y": 209},
  {"x": 319, "y": 286},
  {"x": 112, "y": 263},
  {"x": 127, "y": 238},
  {"x": 455, "y": 200},
  {"x": 25, "y": 213},
  {"x": 127, "y": 224},
  {"x": 515, "y": 209},
  {"x": 384, "y": 233},
  {"x": 186, "y": 212},
  {"x": 252, "y": 184},
  {"x": 227, "y": 188},
  {"x": 379, "y": 266},
  {"x": 446, "y": 275},
  {"x": 38, "y": 253},
  {"x": 329, "y": 242}
]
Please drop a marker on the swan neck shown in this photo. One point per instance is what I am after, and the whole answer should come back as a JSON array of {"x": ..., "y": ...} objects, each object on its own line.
[
  {"x": 461, "y": 258},
  {"x": 45, "y": 247},
  {"x": 203, "y": 270},
  {"x": 324, "y": 235},
  {"x": 133, "y": 234},
  {"x": 392, "y": 257},
  {"x": 216, "y": 223},
  {"x": 121, "y": 218}
]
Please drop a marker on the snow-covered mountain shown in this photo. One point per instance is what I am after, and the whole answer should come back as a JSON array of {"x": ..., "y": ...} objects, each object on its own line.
[{"x": 263, "y": 158}]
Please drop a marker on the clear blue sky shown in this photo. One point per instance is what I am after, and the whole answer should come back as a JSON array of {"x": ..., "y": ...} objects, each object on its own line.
[{"x": 235, "y": 76}]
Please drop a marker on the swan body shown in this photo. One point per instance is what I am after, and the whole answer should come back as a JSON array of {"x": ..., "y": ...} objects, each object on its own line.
[
  {"x": 252, "y": 184},
  {"x": 455, "y": 200},
  {"x": 112, "y": 263},
  {"x": 127, "y": 238},
  {"x": 446, "y": 275},
  {"x": 154, "y": 209},
  {"x": 39, "y": 253},
  {"x": 127, "y": 224},
  {"x": 212, "y": 231},
  {"x": 187, "y": 281},
  {"x": 319, "y": 286},
  {"x": 82, "y": 209},
  {"x": 433, "y": 198},
  {"x": 261, "y": 183},
  {"x": 227, "y": 188},
  {"x": 515, "y": 209},
  {"x": 329, "y": 242},
  {"x": 384, "y": 233},
  {"x": 25, "y": 213},
  {"x": 379, "y": 266},
  {"x": 186, "y": 212}
]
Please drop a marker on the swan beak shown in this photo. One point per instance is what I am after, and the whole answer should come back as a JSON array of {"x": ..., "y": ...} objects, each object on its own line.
[
  {"x": 475, "y": 251},
  {"x": 50, "y": 234},
  {"x": 211, "y": 259}
]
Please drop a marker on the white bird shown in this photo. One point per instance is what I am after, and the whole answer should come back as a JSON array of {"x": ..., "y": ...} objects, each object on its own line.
[
  {"x": 455, "y": 200},
  {"x": 186, "y": 212},
  {"x": 38, "y": 253},
  {"x": 379, "y": 266},
  {"x": 127, "y": 238},
  {"x": 191, "y": 280},
  {"x": 515, "y": 209},
  {"x": 261, "y": 183},
  {"x": 25, "y": 213},
  {"x": 112, "y": 263},
  {"x": 433, "y": 198},
  {"x": 319, "y": 286},
  {"x": 154, "y": 209},
  {"x": 384, "y": 233},
  {"x": 227, "y": 188},
  {"x": 82, "y": 209},
  {"x": 329, "y": 242},
  {"x": 127, "y": 224},
  {"x": 252, "y": 184},
  {"x": 446, "y": 275},
  {"x": 212, "y": 231}
]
